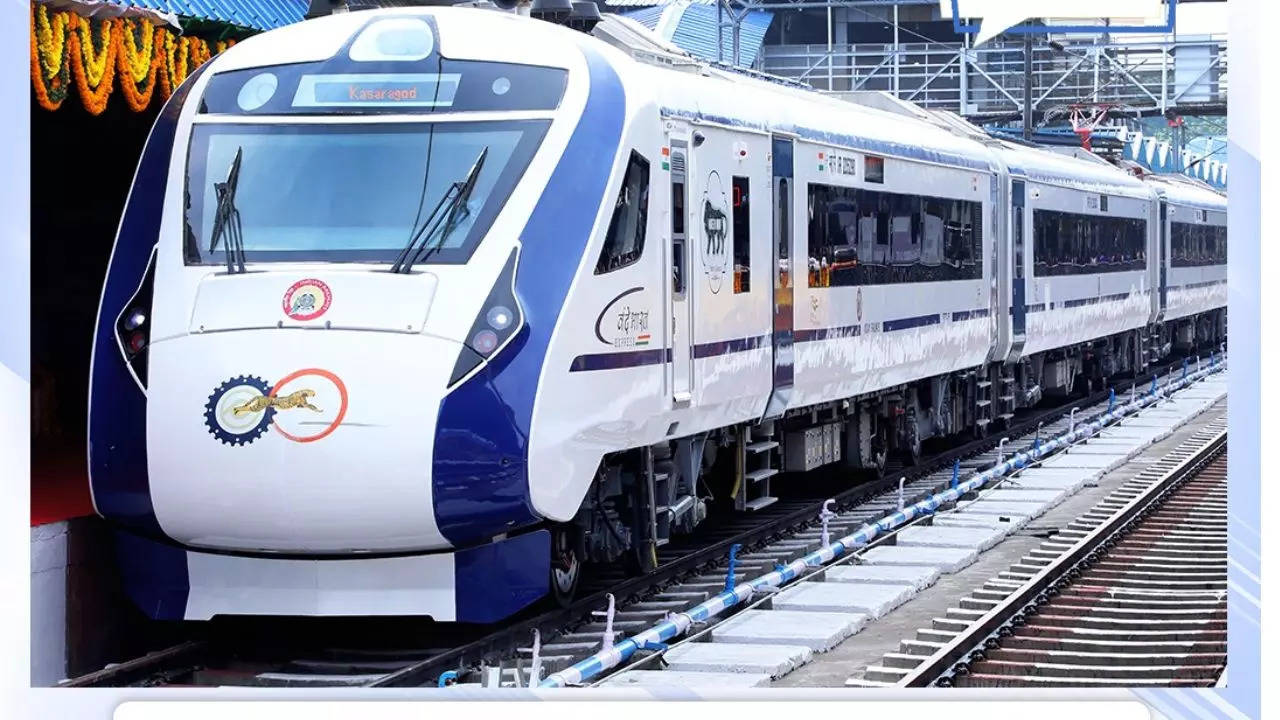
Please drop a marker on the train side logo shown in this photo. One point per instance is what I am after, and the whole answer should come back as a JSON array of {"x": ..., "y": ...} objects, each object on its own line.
[
  {"x": 715, "y": 228},
  {"x": 305, "y": 406},
  {"x": 306, "y": 299},
  {"x": 624, "y": 322}
]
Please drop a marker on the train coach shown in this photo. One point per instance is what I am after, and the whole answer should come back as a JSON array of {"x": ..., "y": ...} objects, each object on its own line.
[{"x": 419, "y": 311}]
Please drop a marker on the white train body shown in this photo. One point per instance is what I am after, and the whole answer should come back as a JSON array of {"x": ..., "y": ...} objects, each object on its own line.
[{"x": 670, "y": 262}]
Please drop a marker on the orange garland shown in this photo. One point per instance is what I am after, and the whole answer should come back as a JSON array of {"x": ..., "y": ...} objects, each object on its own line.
[
  {"x": 94, "y": 99},
  {"x": 58, "y": 46},
  {"x": 40, "y": 86},
  {"x": 137, "y": 99}
]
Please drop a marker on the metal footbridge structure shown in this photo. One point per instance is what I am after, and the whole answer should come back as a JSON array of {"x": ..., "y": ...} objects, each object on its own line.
[{"x": 1147, "y": 74}]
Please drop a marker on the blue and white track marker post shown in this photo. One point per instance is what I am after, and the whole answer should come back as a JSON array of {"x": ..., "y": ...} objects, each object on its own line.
[
  {"x": 729, "y": 581},
  {"x": 678, "y": 623},
  {"x": 606, "y": 642},
  {"x": 826, "y": 515}
]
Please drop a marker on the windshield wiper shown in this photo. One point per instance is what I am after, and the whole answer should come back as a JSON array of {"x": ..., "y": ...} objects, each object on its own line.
[
  {"x": 226, "y": 218},
  {"x": 443, "y": 217}
]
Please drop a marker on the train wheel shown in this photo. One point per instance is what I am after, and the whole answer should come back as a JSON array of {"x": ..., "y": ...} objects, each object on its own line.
[
  {"x": 642, "y": 559},
  {"x": 566, "y": 566}
]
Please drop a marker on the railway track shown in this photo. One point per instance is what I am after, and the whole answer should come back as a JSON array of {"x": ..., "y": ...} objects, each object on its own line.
[
  {"x": 691, "y": 569},
  {"x": 1133, "y": 593}
]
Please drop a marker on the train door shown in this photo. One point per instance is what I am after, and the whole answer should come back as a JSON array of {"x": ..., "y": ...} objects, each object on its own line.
[
  {"x": 1162, "y": 255},
  {"x": 1019, "y": 232},
  {"x": 681, "y": 336},
  {"x": 783, "y": 327}
]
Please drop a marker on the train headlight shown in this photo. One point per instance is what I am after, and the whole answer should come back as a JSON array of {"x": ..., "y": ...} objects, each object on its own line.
[
  {"x": 499, "y": 317},
  {"x": 495, "y": 326},
  {"x": 405, "y": 39},
  {"x": 135, "y": 320},
  {"x": 257, "y": 91},
  {"x": 133, "y": 327},
  {"x": 485, "y": 342}
]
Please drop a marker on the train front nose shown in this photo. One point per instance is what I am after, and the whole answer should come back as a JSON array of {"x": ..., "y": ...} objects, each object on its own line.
[{"x": 313, "y": 441}]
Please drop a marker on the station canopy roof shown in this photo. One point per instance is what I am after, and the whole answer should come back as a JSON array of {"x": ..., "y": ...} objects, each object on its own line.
[
  {"x": 691, "y": 25},
  {"x": 256, "y": 14}
]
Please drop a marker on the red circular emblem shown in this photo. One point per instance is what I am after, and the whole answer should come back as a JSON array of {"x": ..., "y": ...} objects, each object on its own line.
[
  {"x": 306, "y": 299},
  {"x": 328, "y": 392}
]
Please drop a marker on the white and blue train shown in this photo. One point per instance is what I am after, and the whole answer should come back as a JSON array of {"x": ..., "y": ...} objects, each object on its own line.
[{"x": 416, "y": 311}]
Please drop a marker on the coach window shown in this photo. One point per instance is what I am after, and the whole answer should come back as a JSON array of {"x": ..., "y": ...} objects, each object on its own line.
[
  {"x": 624, "y": 242},
  {"x": 867, "y": 237},
  {"x": 677, "y": 230},
  {"x": 1078, "y": 244},
  {"x": 741, "y": 234},
  {"x": 1193, "y": 245},
  {"x": 1018, "y": 247}
]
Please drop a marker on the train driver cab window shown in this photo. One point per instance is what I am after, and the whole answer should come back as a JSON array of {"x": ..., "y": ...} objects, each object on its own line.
[
  {"x": 624, "y": 242},
  {"x": 741, "y": 234}
]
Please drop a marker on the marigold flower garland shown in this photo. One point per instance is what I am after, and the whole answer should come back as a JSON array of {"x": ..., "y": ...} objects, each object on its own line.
[
  {"x": 93, "y": 95},
  {"x": 67, "y": 49}
]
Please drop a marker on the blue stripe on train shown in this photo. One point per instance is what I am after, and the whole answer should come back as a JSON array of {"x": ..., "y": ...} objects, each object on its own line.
[
  {"x": 117, "y": 408},
  {"x": 479, "y": 475},
  {"x": 639, "y": 358}
]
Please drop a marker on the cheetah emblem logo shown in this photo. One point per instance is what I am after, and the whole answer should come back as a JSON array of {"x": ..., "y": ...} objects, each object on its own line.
[{"x": 299, "y": 399}]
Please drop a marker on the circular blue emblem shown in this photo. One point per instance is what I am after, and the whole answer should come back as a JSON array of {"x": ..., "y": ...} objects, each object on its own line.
[{"x": 237, "y": 413}]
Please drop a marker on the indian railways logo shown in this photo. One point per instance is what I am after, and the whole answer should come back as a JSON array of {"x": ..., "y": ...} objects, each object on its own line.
[
  {"x": 242, "y": 409},
  {"x": 306, "y": 299},
  {"x": 715, "y": 228}
]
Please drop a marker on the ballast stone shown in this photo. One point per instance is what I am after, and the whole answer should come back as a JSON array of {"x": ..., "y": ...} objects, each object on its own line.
[
  {"x": 818, "y": 631},
  {"x": 873, "y": 600},
  {"x": 772, "y": 660},
  {"x": 711, "y": 681},
  {"x": 947, "y": 560},
  {"x": 980, "y": 537},
  {"x": 918, "y": 577}
]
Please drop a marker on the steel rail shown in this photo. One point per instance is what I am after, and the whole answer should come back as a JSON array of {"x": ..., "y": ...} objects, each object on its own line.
[
  {"x": 677, "y": 624},
  {"x": 972, "y": 637},
  {"x": 145, "y": 667},
  {"x": 505, "y": 640}
]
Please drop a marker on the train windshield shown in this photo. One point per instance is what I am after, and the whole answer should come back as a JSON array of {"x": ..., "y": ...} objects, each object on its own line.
[{"x": 350, "y": 192}]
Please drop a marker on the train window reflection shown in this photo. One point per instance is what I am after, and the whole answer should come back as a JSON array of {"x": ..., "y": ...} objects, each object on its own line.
[
  {"x": 624, "y": 243},
  {"x": 1192, "y": 245},
  {"x": 1077, "y": 244},
  {"x": 351, "y": 193},
  {"x": 869, "y": 237}
]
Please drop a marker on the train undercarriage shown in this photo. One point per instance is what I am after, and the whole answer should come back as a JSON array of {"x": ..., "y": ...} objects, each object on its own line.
[{"x": 643, "y": 497}]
